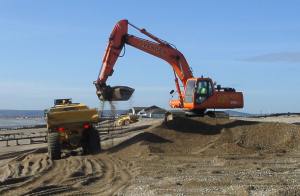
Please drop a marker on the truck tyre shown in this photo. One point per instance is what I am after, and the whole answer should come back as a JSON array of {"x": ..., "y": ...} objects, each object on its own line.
[
  {"x": 54, "y": 148},
  {"x": 91, "y": 142}
]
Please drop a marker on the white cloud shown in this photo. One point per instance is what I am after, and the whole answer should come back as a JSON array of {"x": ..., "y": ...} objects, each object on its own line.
[{"x": 289, "y": 57}]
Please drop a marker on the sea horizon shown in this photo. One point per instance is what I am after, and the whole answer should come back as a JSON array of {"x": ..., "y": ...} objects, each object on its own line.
[{"x": 15, "y": 119}]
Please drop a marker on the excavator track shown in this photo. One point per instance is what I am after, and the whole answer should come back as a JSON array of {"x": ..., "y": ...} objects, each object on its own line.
[{"x": 170, "y": 115}]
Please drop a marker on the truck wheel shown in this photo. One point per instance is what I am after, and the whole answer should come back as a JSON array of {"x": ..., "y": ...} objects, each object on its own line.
[
  {"x": 54, "y": 148},
  {"x": 91, "y": 142}
]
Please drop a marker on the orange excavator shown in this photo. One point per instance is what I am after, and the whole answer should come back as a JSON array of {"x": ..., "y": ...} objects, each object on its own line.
[{"x": 197, "y": 94}]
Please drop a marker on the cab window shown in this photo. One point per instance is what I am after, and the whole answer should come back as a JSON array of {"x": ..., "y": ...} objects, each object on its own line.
[
  {"x": 189, "y": 91},
  {"x": 203, "y": 90}
]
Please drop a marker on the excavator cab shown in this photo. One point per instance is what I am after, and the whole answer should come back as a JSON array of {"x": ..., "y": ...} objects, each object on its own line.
[
  {"x": 198, "y": 90},
  {"x": 201, "y": 94},
  {"x": 203, "y": 90}
]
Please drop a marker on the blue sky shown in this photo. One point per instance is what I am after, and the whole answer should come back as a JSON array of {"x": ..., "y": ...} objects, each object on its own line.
[{"x": 52, "y": 49}]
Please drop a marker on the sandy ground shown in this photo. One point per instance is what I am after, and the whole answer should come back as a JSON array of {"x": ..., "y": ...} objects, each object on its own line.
[{"x": 187, "y": 156}]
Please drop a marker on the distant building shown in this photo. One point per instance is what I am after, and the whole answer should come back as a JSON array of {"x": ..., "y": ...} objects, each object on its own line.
[
  {"x": 135, "y": 110},
  {"x": 148, "y": 112},
  {"x": 152, "y": 112}
]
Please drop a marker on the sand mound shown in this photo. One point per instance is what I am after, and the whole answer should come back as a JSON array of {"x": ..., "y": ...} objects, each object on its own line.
[
  {"x": 272, "y": 137},
  {"x": 213, "y": 136}
]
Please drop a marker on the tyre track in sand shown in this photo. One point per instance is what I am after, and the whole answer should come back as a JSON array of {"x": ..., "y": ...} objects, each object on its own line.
[
  {"x": 115, "y": 179},
  {"x": 36, "y": 174}
]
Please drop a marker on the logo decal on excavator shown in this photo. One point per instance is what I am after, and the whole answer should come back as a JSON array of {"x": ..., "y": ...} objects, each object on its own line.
[
  {"x": 234, "y": 102},
  {"x": 152, "y": 48}
]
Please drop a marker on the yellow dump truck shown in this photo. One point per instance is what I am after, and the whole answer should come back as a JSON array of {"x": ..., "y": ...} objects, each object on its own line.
[{"x": 71, "y": 125}]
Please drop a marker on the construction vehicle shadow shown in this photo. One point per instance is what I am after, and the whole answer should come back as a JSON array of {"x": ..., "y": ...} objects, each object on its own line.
[
  {"x": 41, "y": 150},
  {"x": 72, "y": 153},
  {"x": 146, "y": 137},
  {"x": 190, "y": 125}
]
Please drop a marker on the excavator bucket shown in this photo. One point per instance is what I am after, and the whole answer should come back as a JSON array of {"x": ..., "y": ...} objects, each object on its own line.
[
  {"x": 116, "y": 93},
  {"x": 121, "y": 93}
]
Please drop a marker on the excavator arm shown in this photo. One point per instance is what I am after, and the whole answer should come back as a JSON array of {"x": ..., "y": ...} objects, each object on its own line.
[{"x": 159, "y": 48}]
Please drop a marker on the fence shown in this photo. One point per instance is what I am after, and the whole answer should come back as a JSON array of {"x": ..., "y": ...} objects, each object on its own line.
[
  {"x": 105, "y": 131},
  {"x": 32, "y": 137}
]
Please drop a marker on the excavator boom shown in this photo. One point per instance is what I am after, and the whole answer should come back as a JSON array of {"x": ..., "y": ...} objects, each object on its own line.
[{"x": 159, "y": 48}]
